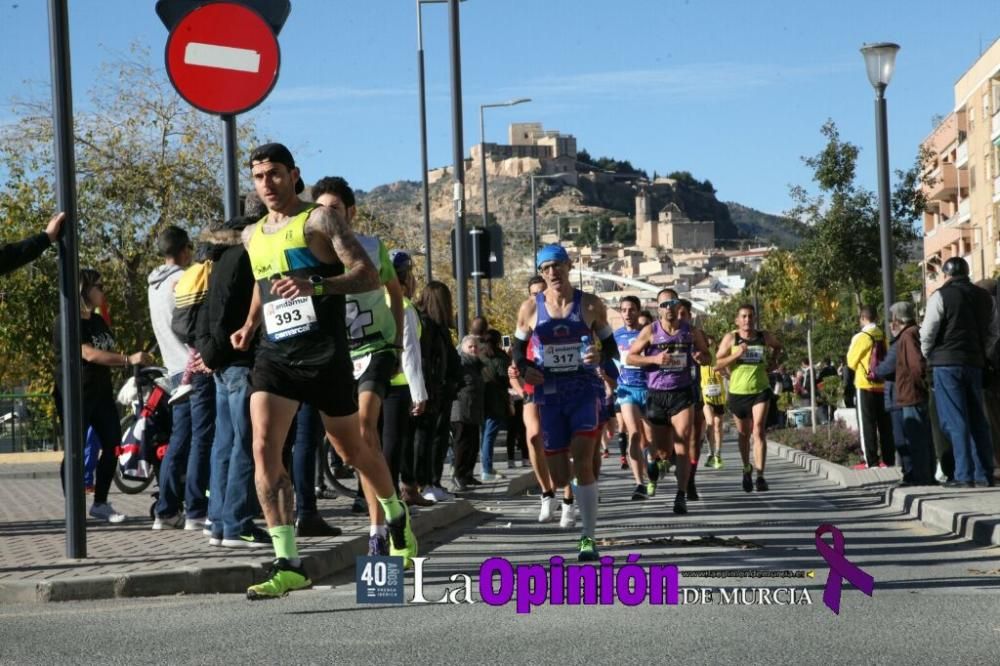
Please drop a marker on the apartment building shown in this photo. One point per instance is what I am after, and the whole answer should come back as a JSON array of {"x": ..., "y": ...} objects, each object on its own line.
[{"x": 964, "y": 197}]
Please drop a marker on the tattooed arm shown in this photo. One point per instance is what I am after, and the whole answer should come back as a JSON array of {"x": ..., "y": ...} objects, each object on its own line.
[{"x": 360, "y": 274}]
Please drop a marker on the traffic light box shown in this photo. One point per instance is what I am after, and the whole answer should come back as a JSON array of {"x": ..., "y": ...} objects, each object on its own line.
[{"x": 490, "y": 251}]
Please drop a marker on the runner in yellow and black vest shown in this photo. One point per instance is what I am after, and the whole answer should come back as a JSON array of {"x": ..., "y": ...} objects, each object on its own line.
[
  {"x": 408, "y": 393},
  {"x": 744, "y": 353},
  {"x": 713, "y": 390},
  {"x": 298, "y": 254},
  {"x": 374, "y": 331}
]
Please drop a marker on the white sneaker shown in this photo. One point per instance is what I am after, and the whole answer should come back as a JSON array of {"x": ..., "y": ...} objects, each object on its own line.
[
  {"x": 174, "y": 522},
  {"x": 940, "y": 476},
  {"x": 429, "y": 496},
  {"x": 440, "y": 494},
  {"x": 106, "y": 512},
  {"x": 568, "y": 518},
  {"x": 547, "y": 513},
  {"x": 195, "y": 524}
]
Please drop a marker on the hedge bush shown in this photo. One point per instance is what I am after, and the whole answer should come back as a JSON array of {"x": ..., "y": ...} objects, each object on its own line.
[{"x": 833, "y": 442}]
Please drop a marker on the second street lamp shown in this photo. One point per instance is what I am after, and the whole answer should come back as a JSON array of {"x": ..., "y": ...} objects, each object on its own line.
[
  {"x": 880, "y": 61},
  {"x": 425, "y": 201},
  {"x": 477, "y": 270}
]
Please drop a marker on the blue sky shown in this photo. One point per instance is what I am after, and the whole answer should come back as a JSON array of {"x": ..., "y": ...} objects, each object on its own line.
[{"x": 732, "y": 91}]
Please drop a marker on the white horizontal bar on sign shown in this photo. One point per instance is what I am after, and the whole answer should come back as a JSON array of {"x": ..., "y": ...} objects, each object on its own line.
[{"x": 222, "y": 57}]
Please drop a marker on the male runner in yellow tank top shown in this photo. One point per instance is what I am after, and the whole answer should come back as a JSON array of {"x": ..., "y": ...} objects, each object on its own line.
[
  {"x": 744, "y": 352},
  {"x": 304, "y": 259}
]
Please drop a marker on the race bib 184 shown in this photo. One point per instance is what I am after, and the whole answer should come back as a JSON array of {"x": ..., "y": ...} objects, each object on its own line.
[
  {"x": 289, "y": 317},
  {"x": 753, "y": 354}
]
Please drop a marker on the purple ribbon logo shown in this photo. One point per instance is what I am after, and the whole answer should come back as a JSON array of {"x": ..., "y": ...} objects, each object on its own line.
[{"x": 840, "y": 568}]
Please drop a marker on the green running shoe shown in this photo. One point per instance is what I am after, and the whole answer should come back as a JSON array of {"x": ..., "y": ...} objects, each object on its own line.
[
  {"x": 650, "y": 488},
  {"x": 402, "y": 541},
  {"x": 664, "y": 467},
  {"x": 282, "y": 579},
  {"x": 588, "y": 550}
]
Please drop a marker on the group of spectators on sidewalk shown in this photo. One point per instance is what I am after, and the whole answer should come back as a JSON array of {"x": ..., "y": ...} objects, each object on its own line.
[
  {"x": 197, "y": 297},
  {"x": 930, "y": 395}
]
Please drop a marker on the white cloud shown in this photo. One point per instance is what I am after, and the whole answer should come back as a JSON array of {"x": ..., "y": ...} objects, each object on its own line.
[{"x": 694, "y": 80}]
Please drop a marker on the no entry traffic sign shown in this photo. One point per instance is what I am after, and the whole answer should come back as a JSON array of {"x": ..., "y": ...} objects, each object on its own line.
[{"x": 223, "y": 58}]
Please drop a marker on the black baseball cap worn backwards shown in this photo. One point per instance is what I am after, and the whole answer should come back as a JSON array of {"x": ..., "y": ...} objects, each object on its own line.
[{"x": 279, "y": 154}]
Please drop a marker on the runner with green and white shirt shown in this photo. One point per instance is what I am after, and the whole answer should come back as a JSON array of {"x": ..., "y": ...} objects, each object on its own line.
[{"x": 374, "y": 332}]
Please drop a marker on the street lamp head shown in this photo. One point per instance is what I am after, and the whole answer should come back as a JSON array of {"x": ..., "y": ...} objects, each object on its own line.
[
  {"x": 880, "y": 61},
  {"x": 519, "y": 100}
]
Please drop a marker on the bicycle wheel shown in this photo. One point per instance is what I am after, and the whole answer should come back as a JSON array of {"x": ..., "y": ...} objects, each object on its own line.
[
  {"x": 342, "y": 477},
  {"x": 127, "y": 484}
]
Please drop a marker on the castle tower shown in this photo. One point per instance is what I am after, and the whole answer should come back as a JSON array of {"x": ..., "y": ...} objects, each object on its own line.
[{"x": 645, "y": 224}]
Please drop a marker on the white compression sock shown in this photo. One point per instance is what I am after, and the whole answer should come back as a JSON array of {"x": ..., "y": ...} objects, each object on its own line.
[{"x": 586, "y": 500}]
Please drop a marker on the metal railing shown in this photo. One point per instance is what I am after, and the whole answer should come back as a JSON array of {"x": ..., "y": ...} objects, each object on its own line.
[{"x": 28, "y": 423}]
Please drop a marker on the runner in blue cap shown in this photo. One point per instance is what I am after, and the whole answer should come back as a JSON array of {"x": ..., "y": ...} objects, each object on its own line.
[{"x": 561, "y": 324}]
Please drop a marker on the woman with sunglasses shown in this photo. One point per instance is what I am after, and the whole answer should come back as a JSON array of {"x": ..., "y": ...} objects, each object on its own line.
[{"x": 99, "y": 410}]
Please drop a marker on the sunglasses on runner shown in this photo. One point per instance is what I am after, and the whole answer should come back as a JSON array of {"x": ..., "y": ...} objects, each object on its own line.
[{"x": 672, "y": 303}]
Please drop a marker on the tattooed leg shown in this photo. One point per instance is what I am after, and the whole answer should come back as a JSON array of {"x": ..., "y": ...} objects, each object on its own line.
[{"x": 272, "y": 416}]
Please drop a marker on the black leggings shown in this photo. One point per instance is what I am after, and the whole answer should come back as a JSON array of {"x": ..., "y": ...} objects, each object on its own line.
[
  {"x": 101, "y": 414},
  {"x": 395, "y": 431}
]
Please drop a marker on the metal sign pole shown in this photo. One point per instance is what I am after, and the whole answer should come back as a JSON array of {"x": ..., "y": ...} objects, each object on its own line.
[
  {"x": 69, "y": 288},
  {"x": 461, "y": 282},
  {"x": 229, "y": 151}
]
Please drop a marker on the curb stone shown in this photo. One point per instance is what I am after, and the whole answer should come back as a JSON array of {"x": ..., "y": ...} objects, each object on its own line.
[
  {"x": 842, "y": 476},
  {"x": 214, "y": 579},
  {"x": 947, "y": 513},
  {"x": 521, "y": 483}
]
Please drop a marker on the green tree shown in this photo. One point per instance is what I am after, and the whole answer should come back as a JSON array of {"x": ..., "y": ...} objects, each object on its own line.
[
  {"x": 144, "y": 160},
  {"x": 842, "y": 247}
]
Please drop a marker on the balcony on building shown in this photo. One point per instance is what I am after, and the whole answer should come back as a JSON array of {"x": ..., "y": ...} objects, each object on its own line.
[
  {"x": 944, "y": 183},
  {"x": 995, "y": 127},
  {"x": 964, "y": 211},
  {"x": 962, "y": 155}
]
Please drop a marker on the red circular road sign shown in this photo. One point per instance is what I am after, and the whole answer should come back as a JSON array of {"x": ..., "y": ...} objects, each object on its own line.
[{"x": 223, "y": 58}]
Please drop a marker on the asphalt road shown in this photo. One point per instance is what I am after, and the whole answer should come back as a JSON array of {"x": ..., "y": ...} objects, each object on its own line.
[{"x": 936, "y": 599}]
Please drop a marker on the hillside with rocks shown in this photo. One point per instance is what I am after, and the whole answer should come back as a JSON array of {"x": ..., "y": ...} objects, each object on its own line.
[{"x": 398, "y": 205}]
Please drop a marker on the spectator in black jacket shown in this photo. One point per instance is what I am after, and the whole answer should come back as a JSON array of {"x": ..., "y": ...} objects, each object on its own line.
[
  {"x": 442, "y": 376},
  {"x": 232, "y": 504},
  {"x": 15, "y": 255},
  {"x": 467, "y": 414},
  {"x": 497, "y": 407}
]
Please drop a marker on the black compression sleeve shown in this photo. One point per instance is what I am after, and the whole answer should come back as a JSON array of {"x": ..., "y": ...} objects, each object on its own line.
[{"x": 519, "y": 354}]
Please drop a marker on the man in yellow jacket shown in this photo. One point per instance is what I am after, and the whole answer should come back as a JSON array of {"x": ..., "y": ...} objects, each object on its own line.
[{"x": 873, "y": 419}]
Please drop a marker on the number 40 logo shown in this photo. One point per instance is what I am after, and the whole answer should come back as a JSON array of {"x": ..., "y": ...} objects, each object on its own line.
[{"x": 379, "y": 580}]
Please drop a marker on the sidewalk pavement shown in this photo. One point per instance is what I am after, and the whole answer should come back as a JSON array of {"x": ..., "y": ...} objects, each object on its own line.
[
  {"x": 130, "y": 559},
  {"x": 970, "y": 513}
]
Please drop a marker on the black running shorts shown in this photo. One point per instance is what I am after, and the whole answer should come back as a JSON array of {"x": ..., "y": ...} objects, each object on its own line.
[
  {"x": 329, "y": 388},
  {"x": 661, "y": 406},
  {"x": 741, "y": 405}
]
